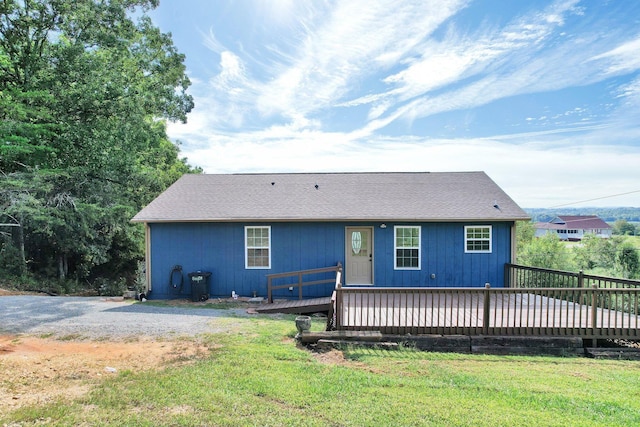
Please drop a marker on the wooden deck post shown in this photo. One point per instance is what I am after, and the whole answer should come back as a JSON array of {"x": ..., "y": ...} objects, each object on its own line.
[
  {"x": 338, "y": 304},
  {"x": 594, "y": 312},
  {"x": 299, "y": 285},
  {"x": 486, "y": 312},
  {"x": 507, "y": 275}
]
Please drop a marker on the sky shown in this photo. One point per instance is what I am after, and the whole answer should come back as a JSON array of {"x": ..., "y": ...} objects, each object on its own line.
[{"x": 543, "y": 96}]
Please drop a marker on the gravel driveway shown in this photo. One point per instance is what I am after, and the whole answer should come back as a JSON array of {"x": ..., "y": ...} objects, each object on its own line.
[{"x": 100, "y": 317}]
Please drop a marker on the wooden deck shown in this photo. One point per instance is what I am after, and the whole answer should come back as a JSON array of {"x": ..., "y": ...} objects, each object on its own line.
[
  {"x": 467, "y": 312},
  {"x": 305, "y": 306}
]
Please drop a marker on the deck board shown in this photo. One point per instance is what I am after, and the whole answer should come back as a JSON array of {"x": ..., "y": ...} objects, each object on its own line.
[{"x": 312, "y": 305}]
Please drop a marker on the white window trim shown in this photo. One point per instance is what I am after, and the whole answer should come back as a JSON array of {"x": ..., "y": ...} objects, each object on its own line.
[
  {"x": 466, "y": 239},
  {"x": 395, "y": 247},
  {"x": 246, "y": 248}
]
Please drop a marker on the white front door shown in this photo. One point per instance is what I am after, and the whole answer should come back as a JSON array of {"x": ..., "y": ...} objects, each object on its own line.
[{"x": 359, "y": 256}]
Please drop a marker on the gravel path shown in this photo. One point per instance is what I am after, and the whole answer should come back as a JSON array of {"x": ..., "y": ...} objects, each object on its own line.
[{"x": 100, "y": 317}]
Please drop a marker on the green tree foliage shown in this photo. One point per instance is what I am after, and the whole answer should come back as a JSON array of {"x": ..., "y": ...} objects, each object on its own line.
[
  {"x": 525, "y": 232},
  {"x": 595, "y": 252},
  {"x": 615, "y": 256},
  {"x": 84, "y": 94},
  {"x": 628, "y": 261},
  {"x": 544, "y": 252},
  {"x": 624, "y": 228}
]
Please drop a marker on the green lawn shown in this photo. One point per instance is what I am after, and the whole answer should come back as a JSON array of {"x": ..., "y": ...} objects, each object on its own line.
[{"x": 256, "y": 375}]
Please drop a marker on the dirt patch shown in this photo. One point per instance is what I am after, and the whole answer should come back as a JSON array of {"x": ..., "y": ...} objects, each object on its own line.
[
  {"x": 7, "y": 292},
  {"x": 331, "y": 357},
  {"x": 40, "y": 370}
]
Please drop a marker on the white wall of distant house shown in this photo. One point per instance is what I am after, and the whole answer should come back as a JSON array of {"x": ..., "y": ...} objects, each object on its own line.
[{"x": 574, "y": 234}]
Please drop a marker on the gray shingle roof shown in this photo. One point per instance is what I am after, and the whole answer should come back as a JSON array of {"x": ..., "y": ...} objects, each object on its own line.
[{"x": 400, "y": 196}]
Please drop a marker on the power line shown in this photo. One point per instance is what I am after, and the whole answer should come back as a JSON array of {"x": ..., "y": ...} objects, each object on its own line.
[{"x": 597, "y": 198}]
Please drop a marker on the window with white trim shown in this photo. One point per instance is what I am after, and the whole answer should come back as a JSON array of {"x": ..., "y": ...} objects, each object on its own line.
[
  {"x": 257, "y": 241},
  {"x": 407, "y": 247},
  {"x": 477, "y": 239}
]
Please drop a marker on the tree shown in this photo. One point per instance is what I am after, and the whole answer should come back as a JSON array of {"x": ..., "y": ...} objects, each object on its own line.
[
  {"x": 628, "y": 261},
  {"x": 544, "y": 252},
  {"x": 525, "y": 232},
  {"x": 84, "y": 94},
  {"x": 624, "y": 227}
]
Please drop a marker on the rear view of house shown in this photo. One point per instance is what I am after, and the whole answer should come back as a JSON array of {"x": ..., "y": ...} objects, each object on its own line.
[
  {"x": 387, "y": 229},
  {"x": 574, "y": 228}
]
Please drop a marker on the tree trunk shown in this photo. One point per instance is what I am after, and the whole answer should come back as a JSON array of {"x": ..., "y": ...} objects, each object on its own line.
[
  {"x": 63, "y": 266},
  {"x": 23, "y": 259}
]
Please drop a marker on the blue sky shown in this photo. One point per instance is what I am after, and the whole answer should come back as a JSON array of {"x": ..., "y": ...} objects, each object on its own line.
[{"x": 544, "y": 96}]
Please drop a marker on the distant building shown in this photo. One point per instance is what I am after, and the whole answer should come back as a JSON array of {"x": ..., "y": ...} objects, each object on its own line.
[{"x": 574, "y": 228}]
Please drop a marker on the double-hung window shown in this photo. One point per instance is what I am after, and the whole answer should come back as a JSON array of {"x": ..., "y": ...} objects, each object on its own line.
[
  {"x": 477, "y": 239},
  {"x": 257, "y": 247},
  {"x": 407, "y": 247}
]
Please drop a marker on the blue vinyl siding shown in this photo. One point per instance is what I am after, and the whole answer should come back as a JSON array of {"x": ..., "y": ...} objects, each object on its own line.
[
  {"x": 443, "y": 255},
  {"x": 219, "y": 249}
]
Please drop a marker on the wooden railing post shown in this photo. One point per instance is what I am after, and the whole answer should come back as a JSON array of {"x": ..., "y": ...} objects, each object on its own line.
[
  {"x": 594, "y": 307},
  {"x": 581, "y": 279},
  {"x": 269, "y": 291},
  {"x": 486, "y": 312},
  {"x": 338, "y": 308},
  {"x": 507, "y": 275},
  {"x": 299, "y": 285}
]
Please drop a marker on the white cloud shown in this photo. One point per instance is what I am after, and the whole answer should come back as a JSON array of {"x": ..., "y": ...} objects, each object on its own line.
[
  {"x": 343, "y": 45},
  {"x": 537, "y": 173},
  {"x": 232, "y": 72},
  {"x": 631, "y": 90},
  {"x": 354, "y": 41},
  {"x": 623, "y": 59},
  {"x": 271, "y": 106},
  {"x": 211, "y": 42},
  {"x": 478, "y": 57}
]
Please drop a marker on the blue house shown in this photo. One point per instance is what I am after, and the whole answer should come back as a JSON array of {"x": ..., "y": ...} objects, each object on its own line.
[{"x": 387, "y": 229}]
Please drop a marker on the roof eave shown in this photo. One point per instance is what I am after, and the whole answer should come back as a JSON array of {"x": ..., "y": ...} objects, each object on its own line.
[{"x": 342, "y": 219}]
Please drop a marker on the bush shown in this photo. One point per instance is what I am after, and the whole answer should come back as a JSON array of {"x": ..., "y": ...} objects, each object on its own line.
[
  {"x": 110, "y": 287},
  {"x": 9, "y": 260}
]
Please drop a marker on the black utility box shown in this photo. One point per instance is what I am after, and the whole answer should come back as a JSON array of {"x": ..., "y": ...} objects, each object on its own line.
[{"x": 199, "y": 285}]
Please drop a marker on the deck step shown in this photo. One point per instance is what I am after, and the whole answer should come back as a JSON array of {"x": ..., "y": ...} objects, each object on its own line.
[
  {"x": 314, "y": 337},
  {"x": 305, "y": 306},
  {"x": 613, "y": 353},
  {"x": 341, "y": 344}
]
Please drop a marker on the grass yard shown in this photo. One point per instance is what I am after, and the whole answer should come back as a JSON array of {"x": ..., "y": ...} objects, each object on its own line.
[{"x": 254, "y": 374}]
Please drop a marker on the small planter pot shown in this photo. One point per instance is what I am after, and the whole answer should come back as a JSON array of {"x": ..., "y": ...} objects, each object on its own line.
[{"x": 303, "y": 324}]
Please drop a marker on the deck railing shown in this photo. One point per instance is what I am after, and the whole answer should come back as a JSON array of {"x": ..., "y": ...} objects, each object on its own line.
[
  {"x": 520, "y": 276},
  {"x": 570, "y": 311},
  {"x": 300, "y": 283}
]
